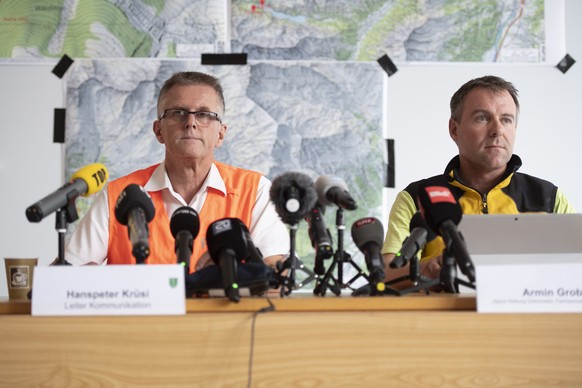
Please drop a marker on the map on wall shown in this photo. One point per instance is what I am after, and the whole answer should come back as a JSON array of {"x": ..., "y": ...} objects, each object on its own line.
[
  {"x": 358, "y": 30},
  {"x": 111, "y": 28},
  {"x": 311, "y": 117},
  {"x": 408, "y": 30}
]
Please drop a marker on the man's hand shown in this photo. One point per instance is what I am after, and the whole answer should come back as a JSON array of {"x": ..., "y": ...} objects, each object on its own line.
[
  {"x": 204, "y": 261},
  {"x": 432, "y": 268},
  {"x": 272, "y": 261},
  {"x": 428, "y": 268}
]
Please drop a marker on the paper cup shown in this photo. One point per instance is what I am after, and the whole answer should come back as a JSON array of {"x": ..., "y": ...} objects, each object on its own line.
[{"x": 19, "y": 272}]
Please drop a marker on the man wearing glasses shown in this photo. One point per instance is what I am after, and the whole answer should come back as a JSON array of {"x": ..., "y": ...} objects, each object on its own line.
[{"x": 190, "y": 110}]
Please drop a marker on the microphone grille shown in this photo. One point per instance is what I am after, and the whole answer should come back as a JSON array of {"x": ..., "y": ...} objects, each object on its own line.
[{"x": 131, "y": 197}]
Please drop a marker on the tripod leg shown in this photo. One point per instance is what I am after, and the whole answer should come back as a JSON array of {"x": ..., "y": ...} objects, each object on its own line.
[
  {"x": 360, "y": 272},
  {"x": 321, "y": 288},
  {"x": 310, "y": 275}
]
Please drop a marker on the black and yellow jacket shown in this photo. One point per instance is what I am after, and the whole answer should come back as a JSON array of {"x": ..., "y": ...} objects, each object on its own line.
[{"x": 516, "y": 193}]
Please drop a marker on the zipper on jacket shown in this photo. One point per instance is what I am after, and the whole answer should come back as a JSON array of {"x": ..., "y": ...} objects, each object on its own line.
[{"x": 485, "y": 207}]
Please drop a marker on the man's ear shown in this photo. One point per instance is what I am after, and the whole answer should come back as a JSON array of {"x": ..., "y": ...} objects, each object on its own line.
[
  {"x": 221, "y": 135},
  {"x": 453, "y": 128},
  {"x": 157, "y": 128}
]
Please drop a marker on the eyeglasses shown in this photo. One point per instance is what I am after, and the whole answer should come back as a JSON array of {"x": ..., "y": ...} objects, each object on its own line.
[{"x": 181, "y": 116}]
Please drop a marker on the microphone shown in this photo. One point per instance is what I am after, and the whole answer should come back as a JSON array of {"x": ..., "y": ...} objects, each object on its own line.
[
  {"x": 86, "y": 181},
  {"x": 443, "y": 213},
  {"x": 420, "y": 235},
  {"x": 254, "y": 254},
  {"x": 318, "y": 232},
  {"x": 135, "y": 208},
  {"x": 333, "y": 190},
  {"x": 368, "y": 235},
  {"x": 227, "y": 245},
  {"x": 184, "y": 226},
  {"x": 293, "y": 195}
]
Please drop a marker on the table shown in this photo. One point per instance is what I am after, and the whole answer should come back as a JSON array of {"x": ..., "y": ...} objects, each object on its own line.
[{"x": 307, "y": 341}]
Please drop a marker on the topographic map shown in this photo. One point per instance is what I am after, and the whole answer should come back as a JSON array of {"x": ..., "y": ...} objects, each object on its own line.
[
  {"x": 111, "y": 28},
  {"x": 311, "y": 117},
  {"x": 360, "y": 30},
  {"x": 408, "y": 30}
]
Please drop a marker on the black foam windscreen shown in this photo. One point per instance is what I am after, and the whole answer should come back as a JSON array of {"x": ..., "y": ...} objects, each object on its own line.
[
  {"x": 253, "y": 253},
  {"x": 293, "y": 195},
  {"x": 226, "y": 234},
  {"x": 418, "y": 221},
  {"x": 438, "y": 204},
  {"x": 185, "y": 218},
  {"x": 133, "y": 196}
]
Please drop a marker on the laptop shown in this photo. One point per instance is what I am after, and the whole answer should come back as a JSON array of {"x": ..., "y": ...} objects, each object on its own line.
[{"x": 526, "y": 237}]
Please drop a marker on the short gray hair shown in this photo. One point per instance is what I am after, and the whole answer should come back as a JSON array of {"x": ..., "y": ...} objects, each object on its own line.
[{"x": 192, "y": 78}]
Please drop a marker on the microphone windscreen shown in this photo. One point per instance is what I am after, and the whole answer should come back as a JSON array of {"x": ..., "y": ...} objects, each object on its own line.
[
  {"x": 293, "y": 194},
  {"x": 223, "y": 234},
  {"x": 438, "y": 204},
  {"x": 185, "y": 218},
  {"x": 133, "y": 196},
  {"x": 418, "y": 221},
  {"x": 324, "y": 183},
  {"x": 94, "y": 175},
  {"x": 253, "y": 253},
  {"x": 367, "y": 230}
]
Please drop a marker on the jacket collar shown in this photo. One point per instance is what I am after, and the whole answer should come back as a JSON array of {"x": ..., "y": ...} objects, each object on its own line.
[{"x": 452, "y": 169}]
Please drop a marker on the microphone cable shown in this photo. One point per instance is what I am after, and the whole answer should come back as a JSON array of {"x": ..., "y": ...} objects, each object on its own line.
[{"x": 269, "y": 308}]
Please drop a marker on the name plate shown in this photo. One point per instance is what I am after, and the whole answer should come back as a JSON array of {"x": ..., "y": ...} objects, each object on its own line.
[
  {"x": 529, "y": 283},
  {"x": 109, "y": 290}
]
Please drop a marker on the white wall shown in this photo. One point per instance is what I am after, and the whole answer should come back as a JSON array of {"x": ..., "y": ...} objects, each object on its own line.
[
  {"x": 30, "y": 163},
  {"x": 548, "y": 136},
  {"x": 549, "y": 133}
]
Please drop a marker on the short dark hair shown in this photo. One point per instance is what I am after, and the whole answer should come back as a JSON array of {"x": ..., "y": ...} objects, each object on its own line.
[
  {"x": 489, "y": 82},
  {"x": 192, "y": 78}
]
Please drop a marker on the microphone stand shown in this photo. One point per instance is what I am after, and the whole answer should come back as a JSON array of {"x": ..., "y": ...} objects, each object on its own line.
[
  {"x": 449, "y": 271},
  {"x": 319, "y": 272},
  {"x": 339, "y": 258},
  {"x": 184, "y": 251},
  {"x": 447, "y": 277},
  {"x": 64, "y": 216},
  {"x": 420, "y": 282},
  {"x": 292, "y": 263}
]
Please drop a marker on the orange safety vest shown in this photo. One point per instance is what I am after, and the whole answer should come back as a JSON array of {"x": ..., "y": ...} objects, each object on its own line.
[{"x": 241, "y": 193}]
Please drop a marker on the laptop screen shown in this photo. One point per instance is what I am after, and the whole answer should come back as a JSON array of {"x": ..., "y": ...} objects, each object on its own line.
[{"x": 522, "y": 233}]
